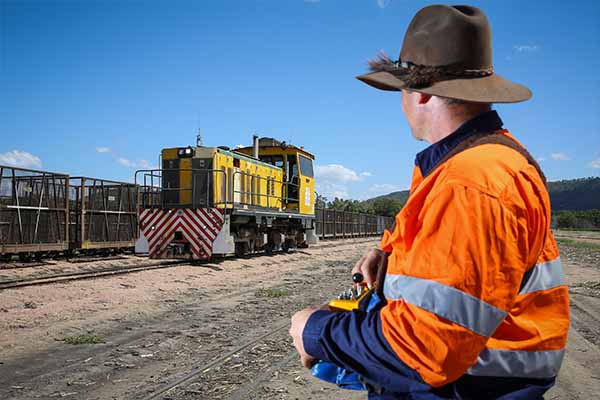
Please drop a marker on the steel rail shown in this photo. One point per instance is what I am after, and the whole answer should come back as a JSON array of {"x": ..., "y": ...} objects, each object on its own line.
[
  {"x": 199, "y": 370},
  {"x": 72, "y": 276}
]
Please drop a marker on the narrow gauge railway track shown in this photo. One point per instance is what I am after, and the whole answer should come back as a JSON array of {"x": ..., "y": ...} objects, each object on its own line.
[
  {"x": 585, "y": 319},
  {"x": 196, "y": 372},
  {"x": 72, "y": 276},
  {"x": 11, "y": 265}
]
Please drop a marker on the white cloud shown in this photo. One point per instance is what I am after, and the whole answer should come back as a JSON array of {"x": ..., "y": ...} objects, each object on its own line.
[
  {"x": 125, "y": 162},
  {"x": 338, "y": 173},
  {"x": 334, "y": 180},
  {"x": 595, "y": 163},
  {"x": 525, "y": 48},
  {"x": 560, "y": 157},
  {"x": 332, "y": 190},
  {"x": 383, "y": 188},
  {"x": 541, "y": 158},
  {"x": 18, "y": 158},
  {"x": 144, "y": 164}
]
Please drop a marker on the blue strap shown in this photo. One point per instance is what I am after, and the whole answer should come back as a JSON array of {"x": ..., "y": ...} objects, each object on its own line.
[{"x": 344, "y": 378}]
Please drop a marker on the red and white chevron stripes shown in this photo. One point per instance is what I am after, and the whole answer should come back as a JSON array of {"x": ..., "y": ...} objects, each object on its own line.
[{"x": 199, "y": 227}]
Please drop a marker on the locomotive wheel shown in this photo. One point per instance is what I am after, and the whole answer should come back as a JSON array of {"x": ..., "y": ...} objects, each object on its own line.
[
  {"x": 241, "y": 249},
  {"x": 269, "y": 249},
  {"x": 288, "y": 245}
]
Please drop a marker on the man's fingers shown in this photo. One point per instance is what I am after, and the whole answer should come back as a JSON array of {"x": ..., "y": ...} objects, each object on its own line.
[
  {"x": 368, "y": 266},
  {"x": 358, "y": 265},
  {"x": 370, "y": 276}
]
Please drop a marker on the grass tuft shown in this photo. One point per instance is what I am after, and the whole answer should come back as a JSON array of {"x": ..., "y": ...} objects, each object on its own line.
[
  {"x": 578, "y": 244},
  {"x": 83, "y": 339},
  {"x": 271, "y": 292}
]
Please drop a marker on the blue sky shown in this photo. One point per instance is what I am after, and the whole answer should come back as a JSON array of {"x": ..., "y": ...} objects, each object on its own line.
[{"x": 97, "y": 88}]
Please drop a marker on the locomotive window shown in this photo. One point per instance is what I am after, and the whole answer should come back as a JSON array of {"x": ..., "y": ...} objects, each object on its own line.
[
  {"x": 292, "y": 169},
  {"x": 306, "y": 167},
  {"x": 273, "y": 160}
]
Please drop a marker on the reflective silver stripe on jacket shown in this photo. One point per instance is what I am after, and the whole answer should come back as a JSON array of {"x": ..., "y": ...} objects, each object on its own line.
[
  {"x": 445, "y": 301},
  {"x": 518, "y": 363},
  {"x": 545, "y": 276}
]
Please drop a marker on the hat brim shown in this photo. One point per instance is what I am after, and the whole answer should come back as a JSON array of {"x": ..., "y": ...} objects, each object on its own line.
[{"x": 489, "y": 89}]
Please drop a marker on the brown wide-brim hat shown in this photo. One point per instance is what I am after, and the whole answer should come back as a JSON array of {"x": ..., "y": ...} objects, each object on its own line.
[{"x": 447, "y": 52}]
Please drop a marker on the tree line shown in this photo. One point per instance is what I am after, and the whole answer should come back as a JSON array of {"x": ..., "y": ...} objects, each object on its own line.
[
  {"x": 562, "y": 219},
  {"x": 379, "y": 206},
  {"x": 571, "y": 219}
]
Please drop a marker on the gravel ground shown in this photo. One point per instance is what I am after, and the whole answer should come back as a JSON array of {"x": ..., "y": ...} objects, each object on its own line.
[{"x": 155, "y": 327}]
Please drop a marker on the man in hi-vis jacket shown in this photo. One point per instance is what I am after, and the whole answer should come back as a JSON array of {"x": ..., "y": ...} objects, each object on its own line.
[{"x": 476, "y": 305}]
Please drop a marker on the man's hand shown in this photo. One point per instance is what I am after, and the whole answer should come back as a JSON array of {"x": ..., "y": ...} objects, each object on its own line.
[
  {"x": 368, "y": 265},
  {"x": 298, "y": 322}
]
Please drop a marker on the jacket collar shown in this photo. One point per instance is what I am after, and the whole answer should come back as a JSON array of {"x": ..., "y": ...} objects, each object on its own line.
[{"x": 429, "y": 158}]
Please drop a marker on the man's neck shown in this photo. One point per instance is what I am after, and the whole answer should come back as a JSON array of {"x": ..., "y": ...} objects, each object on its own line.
[{"x": 449, "y": 119}]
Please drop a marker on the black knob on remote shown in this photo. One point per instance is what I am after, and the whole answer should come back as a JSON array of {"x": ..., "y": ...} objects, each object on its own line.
[{"x": 357, "y": 277}]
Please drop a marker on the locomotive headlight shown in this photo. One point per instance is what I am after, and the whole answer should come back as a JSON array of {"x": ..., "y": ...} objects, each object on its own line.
[{"x": 185, "y": 152}]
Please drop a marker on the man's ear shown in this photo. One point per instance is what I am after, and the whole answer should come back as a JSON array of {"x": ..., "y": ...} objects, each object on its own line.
[{"x": 423, "y": 98}]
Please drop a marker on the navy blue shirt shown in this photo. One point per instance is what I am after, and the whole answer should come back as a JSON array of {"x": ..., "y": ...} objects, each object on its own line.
[{"x": 429, "y": 158}]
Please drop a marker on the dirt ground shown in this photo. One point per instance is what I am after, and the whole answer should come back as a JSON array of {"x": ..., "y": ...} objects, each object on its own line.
[{"x": 157, "y": 326}]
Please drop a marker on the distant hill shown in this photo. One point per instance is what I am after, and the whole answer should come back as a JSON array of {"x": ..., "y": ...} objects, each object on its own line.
[
  {"x": 571, "y": 194},
  {"x": 400, "y": 196},
  {"x": 575, "y": 194}
]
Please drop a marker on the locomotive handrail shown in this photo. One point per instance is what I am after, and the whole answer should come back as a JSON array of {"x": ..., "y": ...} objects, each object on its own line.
[
  {"x": 283, "y": 198},
  {"x": 151, "y": 187},
  {"x": 156, "y": 189}
]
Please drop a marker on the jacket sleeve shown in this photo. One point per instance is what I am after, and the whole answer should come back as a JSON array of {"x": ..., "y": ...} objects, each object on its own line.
[
  {"x": 453, "y": 273},
  {"x": 353, "y": 340}
]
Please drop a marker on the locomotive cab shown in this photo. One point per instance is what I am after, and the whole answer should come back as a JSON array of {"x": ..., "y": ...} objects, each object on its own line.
[{"x": 298, "y": 172}]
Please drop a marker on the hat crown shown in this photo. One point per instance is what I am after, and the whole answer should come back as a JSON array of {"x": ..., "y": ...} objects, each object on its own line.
[{"x": 443, "y": 35}]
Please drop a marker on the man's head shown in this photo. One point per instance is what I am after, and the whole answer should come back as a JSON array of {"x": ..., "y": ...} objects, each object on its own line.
[
  {"x": 431, "y": 117},
  {"x": 447, "y": 52}
]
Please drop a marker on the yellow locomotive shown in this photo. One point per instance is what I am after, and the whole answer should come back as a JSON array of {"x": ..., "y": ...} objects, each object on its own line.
[{"x": 208, "y": 201}]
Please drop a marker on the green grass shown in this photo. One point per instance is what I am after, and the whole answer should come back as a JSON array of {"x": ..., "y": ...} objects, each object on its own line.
[
  {"x": 578, "y": 244},
  {"x": 578, "y": 229},
  {"x": 83, "y": 339},
  {"x": 271, "y": 292}
]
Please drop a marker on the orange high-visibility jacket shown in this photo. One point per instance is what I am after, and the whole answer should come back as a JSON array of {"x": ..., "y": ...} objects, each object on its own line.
[
  {"x": 474, "y": 283},
  {"x": 477, "y": 305}
]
